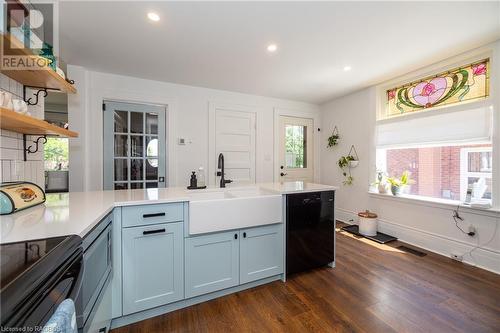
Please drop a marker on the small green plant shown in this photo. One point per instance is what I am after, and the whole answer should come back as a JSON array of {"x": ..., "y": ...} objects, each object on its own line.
[
  {"x": 333, "y": 140},
  {"x": 343, "y": 164},
  {"x": 398, "y": 183}
]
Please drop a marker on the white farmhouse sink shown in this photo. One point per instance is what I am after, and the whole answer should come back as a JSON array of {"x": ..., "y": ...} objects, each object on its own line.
[{"x": 231, "y": 209}]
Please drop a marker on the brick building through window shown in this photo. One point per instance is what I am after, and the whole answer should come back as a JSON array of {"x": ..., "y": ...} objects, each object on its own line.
[{"x": 442, "y": 172}]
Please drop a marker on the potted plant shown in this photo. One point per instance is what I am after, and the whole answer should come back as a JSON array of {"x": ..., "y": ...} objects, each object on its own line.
[
  {"x": 398, "y": 183},
  {"x": 344, "y": 165},
  {"x": 333, "y": 139},
  {"x": 354, "y": 159}
]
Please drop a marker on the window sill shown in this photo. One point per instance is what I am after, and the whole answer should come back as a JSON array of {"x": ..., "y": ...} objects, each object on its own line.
[{"x": 437, "y": 203}]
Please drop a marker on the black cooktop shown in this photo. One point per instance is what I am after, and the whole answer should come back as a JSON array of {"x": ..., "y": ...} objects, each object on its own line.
[{"x": 17, "y": 258}]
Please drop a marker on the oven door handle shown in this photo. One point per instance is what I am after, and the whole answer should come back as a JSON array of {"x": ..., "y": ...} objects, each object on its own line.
[{"x": 75, "y": 292}]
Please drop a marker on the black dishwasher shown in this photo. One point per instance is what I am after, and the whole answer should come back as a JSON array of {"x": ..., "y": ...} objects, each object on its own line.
[{"x": 310, "y": 230}]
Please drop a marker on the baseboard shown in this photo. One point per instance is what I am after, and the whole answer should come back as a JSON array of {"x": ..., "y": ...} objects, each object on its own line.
[{"x": 483, "y": 258}]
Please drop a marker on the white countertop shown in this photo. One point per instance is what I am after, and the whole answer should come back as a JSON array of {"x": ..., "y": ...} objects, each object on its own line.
[{"x": 76, "y": 213}]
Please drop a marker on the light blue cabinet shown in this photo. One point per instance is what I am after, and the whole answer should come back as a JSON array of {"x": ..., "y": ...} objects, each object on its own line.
[
  {"x": 223, "y": 260},
  {"x": 212, "y": 263},
  {"x": 153, "y": 269},
  {"x": 101, "y": 323},
  {"x": 261, "y": 252}
]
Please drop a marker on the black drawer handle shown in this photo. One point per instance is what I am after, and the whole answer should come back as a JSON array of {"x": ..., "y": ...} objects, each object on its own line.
[
  {"x": 152, "y": 215},
  {"x": 244, "y": 235},
  {"x": 149, "y": 232},
  {"x": 235, "y": 236}
]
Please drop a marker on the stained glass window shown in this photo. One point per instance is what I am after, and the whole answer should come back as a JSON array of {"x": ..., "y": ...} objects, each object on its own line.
[{"x": 466, "y": 83}]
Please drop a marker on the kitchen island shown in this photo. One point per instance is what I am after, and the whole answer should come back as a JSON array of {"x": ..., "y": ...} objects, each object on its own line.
[{"x": 172, "y": 247}]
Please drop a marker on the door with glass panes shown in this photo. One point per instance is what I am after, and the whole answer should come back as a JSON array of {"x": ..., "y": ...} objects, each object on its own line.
[
  {"x": 134, "y": 146},
  {"x": 295, "y": 149}
]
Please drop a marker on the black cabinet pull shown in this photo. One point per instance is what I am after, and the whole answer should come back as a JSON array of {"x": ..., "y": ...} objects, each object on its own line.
[
  {"x": 102, "y": 329},
  {"x": 149, "y": 232},
  {"x": 244, "y": 235},
  {"x": 235, "y": 236},
  {"x": 152, "y": 215}
]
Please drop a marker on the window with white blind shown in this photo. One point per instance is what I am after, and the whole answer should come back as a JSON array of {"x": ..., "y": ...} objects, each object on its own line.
[{"x": 439, "y": 128}]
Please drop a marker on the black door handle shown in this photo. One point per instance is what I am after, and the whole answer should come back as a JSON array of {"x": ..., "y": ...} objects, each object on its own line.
[
  {"x": 244, "y": 235},
  {"x": 152, "y": 215},
  {"x": 235, "y": 236},
  {"x": 150, "y": 232}
]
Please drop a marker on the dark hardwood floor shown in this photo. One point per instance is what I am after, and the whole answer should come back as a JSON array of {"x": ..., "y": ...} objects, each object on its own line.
[{"x": 374, "y": 288}]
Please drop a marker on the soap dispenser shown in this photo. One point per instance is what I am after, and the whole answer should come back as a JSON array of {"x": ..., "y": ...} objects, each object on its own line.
[
  {"x": 201, "y": 177},
  {"x": 193, "y": 183}
]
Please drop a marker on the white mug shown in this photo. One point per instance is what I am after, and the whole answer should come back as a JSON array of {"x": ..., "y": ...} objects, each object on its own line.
[
  {"x": 20, "y": 106},
  {"x": 7, "y": 100}
]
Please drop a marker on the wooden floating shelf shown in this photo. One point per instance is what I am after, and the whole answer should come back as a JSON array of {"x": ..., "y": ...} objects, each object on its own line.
[
  {"x": 16, "y": 122},
  {"x": 39, "y": 78}
]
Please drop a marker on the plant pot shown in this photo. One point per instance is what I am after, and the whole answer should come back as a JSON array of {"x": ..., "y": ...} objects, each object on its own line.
[
  {"x": 405, "y": 189},
  {"x": 353, "y": 164},
  {"x": 395, "y": 190},
  {"x": 382, "y": 188}
]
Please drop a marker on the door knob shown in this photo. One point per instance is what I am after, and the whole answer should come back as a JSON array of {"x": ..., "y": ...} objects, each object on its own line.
[{"x": 283, "y": 174}]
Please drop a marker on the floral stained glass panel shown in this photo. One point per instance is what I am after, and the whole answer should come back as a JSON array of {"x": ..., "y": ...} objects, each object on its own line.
[{"x": 459, "y": 85}]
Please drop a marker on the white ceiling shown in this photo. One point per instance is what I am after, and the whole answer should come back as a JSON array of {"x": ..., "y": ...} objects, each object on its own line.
[{"x": 222, "y": 45}]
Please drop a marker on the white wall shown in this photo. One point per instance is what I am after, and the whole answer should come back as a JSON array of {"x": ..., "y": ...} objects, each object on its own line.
[
  {"x": 188, "y": 118},
  {"x": 12, "y": 165},
  {"x": 426, "y": 225}
]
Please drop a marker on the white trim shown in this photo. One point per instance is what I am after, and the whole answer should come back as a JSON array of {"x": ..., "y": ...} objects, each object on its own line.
[
  {"x": 437, "y": 203},
  {"x": 483, "y": 257},
  {"x": 315, "y": 116}
]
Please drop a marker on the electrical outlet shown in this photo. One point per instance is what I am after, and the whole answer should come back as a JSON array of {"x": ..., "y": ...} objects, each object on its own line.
[
  {"x": 457, "y": 257},
  {"x": 472, "y": 230}
]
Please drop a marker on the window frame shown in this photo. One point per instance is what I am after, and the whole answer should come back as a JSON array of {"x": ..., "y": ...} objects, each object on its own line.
[
  {"x": 465, "y": 174},
  {"x": 491, "y": 51}
]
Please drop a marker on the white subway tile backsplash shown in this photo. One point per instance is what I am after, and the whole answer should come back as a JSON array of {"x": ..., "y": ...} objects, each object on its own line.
[
  {"x": 9, "y": 142},
  {"x": 4, "y": 83},
  {"x": 12, "y": 165}
]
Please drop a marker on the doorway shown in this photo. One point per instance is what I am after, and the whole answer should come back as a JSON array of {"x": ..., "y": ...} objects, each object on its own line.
[
  {"x": 296, "y": 149},
  {"x": 134, "y": 146}
]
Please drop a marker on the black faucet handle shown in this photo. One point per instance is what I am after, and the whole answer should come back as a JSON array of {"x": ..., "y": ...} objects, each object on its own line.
[{"x": 228, "y": 181}]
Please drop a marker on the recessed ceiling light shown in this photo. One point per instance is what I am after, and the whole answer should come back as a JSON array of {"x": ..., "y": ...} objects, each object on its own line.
[
  {"x": 272, "y": 48},
  {"x": 153, "y": 16},
  {"x": 347, "y": 68}
]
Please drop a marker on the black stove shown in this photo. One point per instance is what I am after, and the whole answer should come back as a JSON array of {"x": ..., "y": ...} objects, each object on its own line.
[{"x": 36, "y": 276}]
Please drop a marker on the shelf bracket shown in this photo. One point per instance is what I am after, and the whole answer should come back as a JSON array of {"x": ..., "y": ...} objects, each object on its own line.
[
  {"x": 29, "y": 149},
  {"x": 37, "y": 95}
]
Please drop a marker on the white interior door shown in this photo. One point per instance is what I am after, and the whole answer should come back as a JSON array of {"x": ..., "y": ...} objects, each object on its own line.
[
  {"x": 296, "y": 149},
  {"x": 235, "y": 139}
]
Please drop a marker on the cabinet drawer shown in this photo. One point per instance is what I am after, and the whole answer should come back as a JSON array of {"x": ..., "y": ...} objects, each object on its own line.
[{"x": 152, "y": 214}]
